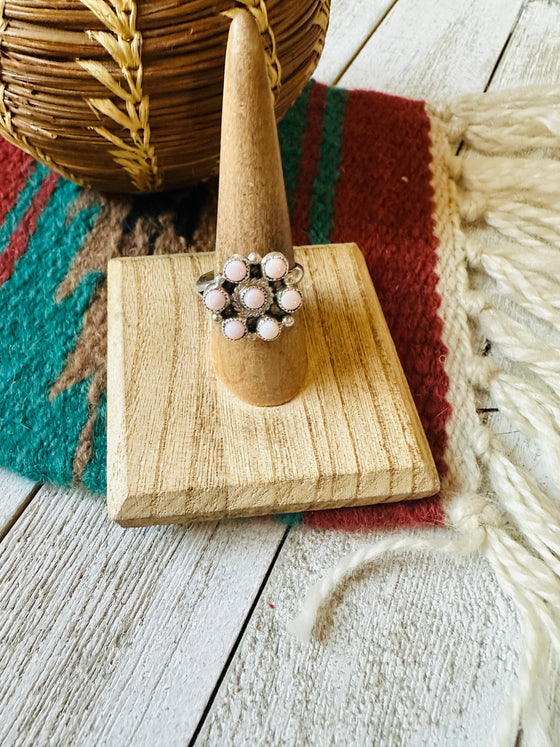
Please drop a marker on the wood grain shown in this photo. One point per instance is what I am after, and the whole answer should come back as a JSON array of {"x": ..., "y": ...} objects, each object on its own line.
[
  {"x": 434, "y": 50},
  {"x": 351, "y": 25},
  {"x": 414, "y": 650},
  {"x": 533, "y": 51},
  {"x": 107, "y": 635},
  {"x": 253, "y": 217},
  {"x": 180, "y": 446},
  {"x": 15, "y": 492}
]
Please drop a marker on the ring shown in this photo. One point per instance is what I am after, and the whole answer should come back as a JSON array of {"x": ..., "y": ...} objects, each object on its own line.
[{"x": 253, "y": 297}]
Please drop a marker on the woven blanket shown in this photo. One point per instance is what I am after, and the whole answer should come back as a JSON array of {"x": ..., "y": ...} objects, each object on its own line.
[{"x": 464, "y": 257}]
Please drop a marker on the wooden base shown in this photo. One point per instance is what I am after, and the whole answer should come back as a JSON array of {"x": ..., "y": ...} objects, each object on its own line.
[{"x": 181, "y": 447}]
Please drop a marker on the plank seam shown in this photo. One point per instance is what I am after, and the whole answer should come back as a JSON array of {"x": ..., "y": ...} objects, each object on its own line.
[
  {"x": 238, "y": 640},
  {"x": 505, "y": 47},
  {"x": 366, "y": 40},
  {"x": 19, "y": 512}
]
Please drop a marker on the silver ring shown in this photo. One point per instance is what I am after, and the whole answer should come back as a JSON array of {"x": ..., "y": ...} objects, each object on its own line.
[
  {"x": 253, "y": 296},
  {"x": 204, "y": 281}
]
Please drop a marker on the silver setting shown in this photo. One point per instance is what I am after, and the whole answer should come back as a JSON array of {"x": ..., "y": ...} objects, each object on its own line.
[
  {"x": 272, "y": 256},
  {"x": 239, "y": 294},
  {"x": 295, "y": 275},
  {"x": 213, "y": 286},
  {"x": 288, "y": 321},
  {"x": 282, "y": 292},
  {"x": 231, "y": 319},
  {"x": 206, "y": 280},
  {"x": 229, "y": 261},
  {"x": 266, "y": 320}
]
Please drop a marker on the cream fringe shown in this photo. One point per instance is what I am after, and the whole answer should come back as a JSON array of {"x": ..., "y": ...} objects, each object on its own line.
[{"x": 514, "y": 522}]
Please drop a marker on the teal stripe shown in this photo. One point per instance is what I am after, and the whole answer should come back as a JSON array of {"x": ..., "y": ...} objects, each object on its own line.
[
  {"x": 324, "y": 186},
  {"x": 40, "y": 436},
  {"x": 290, "y": 519},
  {"x": 24, "y": 201},
  {"x": 290, "y": 133}
]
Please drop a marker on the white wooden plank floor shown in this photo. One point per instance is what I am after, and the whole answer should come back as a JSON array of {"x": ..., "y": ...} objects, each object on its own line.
[
  {"x": 176, "y": 635},
  {"x": 15, "y": 494}
]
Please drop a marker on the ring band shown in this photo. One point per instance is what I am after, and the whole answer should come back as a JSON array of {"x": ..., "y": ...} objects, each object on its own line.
[{"x": 204, "y": 281}]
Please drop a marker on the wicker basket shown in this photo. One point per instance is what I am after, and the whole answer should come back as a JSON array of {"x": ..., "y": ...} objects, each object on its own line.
[{"x": 125, "y": 95}]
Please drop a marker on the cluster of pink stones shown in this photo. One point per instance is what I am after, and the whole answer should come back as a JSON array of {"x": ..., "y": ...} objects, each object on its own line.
[{"x": 254, "y": 296}]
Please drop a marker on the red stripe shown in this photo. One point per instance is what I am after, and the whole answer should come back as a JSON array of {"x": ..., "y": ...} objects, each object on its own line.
[
  {"x": 26, "y": 228},
  {"x": 310, "y": 149},
  {"x": 382, "y": 516},
  {"x": 385, "y": 204},
  {"x": 16, "y": 168}
]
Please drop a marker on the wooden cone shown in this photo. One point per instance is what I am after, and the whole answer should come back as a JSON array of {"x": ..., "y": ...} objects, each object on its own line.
[{"x": 253, "y": 217}]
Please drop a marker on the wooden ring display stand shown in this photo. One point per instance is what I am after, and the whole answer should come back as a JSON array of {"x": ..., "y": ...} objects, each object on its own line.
[
  {"x": 253, "y": 217},
  {"x": 185, "y": 439}
]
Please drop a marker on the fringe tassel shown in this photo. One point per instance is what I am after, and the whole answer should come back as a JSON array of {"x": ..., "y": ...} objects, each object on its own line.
[
  {"x": 538, "y": 420},
  {"x": 534, "y": 288},
  {"x": 535, "y": 414},
  {"x": 504, "y": 121},
  {"x": 517, "y": 526},
  {"x": 520, "y": 345}
]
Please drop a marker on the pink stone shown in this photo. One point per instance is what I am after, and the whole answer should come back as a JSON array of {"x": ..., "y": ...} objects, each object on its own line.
[
  {"x": 275, "y": 268},
  {"x": 268, "y": 328},
  {"x": 290, "y": 300},
  {"x": 234, "y": 329},
  {"x": 236, "y": 270},
  {"x": 254, "y": 298},
  {"x": 215, "y": 300}
]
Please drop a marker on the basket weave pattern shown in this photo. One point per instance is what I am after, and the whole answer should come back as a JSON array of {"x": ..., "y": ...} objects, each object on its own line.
[{"x": 125, "y": 95}]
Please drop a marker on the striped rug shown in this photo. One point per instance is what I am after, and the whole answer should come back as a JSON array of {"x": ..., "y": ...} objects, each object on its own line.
[{"x": 357, "y": 168}]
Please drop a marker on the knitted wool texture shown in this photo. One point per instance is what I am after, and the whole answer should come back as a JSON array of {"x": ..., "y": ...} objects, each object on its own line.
[{"x": 56, "y": 239}]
